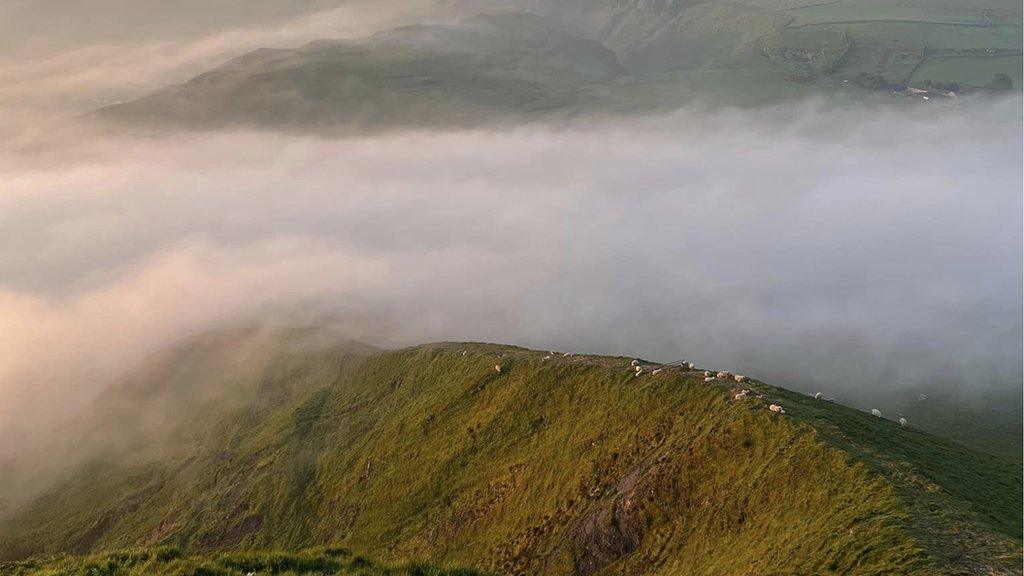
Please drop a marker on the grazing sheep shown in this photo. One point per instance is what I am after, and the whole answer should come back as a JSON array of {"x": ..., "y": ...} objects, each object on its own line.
[
  {"x": 709, "y": 378},
  {"x": 903, "y": 421},
  {"x": 656, "y": 371},
  {"x": 876, "y": 412},
  {"x": 689, "y": 365},
  {"x": 707, "y": 374},
  {"x": 723, "y": 375},
  {"x": 817, "y": 395},
  {"x": 740, "y": 378},
  {"x": 463, "y": 352},
  {"x": 546, "y": 358},
  {"x": 638, "y": 368},
  {"x": 497, "y": 368},
  {"x": 634, "y": 363},
  {"x": 776, "y": 408},
  {"x": 740, "y": 395}
]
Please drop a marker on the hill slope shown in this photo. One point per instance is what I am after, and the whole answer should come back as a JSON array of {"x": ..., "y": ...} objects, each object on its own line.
[
  {"x": 481, "y": 69},
  {"x": 562, "y": 58},
  {"x": 561, "y": 465}
]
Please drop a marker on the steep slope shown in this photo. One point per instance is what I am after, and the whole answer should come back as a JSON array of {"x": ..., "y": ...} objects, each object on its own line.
[{"x": 555, "y": 465}]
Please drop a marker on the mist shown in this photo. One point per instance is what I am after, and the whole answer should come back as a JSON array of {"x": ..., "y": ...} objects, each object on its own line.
[{"x": 859, "y": 251}]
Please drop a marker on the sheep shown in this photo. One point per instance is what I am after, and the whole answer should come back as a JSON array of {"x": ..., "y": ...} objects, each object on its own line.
[
  {"x": 876, "y": 412},
  {"x": 707, "y": 374},
  {"x": 497, "y": 368},
  {"x": 740, "y": 395},
  {"x": 463, "y": 352},
  {"x": 903, "y": 421},
  {"x": 656, "y": 371},
  {"x": 723, "y": 375},
  {"x": 740, "y": 378},
  {"x": 709, "y": 379},
  {"x": 638, "y": 368},
  {"x": 634, "y": 363},
  {"x": 777, "y": 409},
  {"x": 546, "y": 358},
  {"x": 817, "y": 395},
  {"x": 689, "y": 365}
]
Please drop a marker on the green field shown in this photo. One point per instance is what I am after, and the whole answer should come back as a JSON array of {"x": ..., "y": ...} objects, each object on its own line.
[{"x": 968, "y": 71}]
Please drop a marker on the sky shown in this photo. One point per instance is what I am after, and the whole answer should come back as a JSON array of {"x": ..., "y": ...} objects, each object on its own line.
[{"x": 858, "y": 250}]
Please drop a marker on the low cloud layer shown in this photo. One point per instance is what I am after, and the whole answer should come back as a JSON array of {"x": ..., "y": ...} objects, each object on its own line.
[{"x": 853, "y": 249}]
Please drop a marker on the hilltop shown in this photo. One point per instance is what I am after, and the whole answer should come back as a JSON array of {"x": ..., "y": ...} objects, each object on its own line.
[
  {"x": 504, "y": 61},
  {"x": 506, "y": 461}
]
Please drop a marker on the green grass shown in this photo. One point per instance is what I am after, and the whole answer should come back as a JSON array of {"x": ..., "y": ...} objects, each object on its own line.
[
  {"x": 556, "y": 466},
  {"x": 169, "y": 561}
]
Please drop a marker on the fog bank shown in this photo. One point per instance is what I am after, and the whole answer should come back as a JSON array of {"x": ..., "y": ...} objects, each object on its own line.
[{"x": 849, "y": 249}]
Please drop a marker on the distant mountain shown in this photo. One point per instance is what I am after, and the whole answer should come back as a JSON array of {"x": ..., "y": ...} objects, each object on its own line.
[
  {"x": 481, "y": 69},
  {"x": 555, "y": 59},
  {"x": 503, "y": 460}
]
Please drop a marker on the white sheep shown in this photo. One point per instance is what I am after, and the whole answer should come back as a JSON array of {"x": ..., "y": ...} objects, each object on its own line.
[
  {"x": 740, "y": 395},
  {"x": 740, "y": 378},
  {"x": 723, "y": 375},
  {"x": 709, "y": 378},
  {"x": 656, "y": 371},
  {"x": 903, "y": 421},
  {"x": 497, "y": 368},
  {"x": 638, "y": 368},
  {"x": 876, "y": 412},
  {"x": 776, "y": 408},
  {"x": 634, "y": 363},
  {"x": 817, "y": 395},
  {"x": 546, "y": 358},
  {"x": 689, "y": 365}
]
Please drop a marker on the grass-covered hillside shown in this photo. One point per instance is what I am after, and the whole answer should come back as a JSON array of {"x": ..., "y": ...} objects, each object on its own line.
[
  {"x": 504, "y": 461},
  {"x": 516, "y": 60}
]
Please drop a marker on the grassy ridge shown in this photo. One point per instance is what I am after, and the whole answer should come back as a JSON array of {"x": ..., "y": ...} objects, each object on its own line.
[{"x": 561, "y": 465}]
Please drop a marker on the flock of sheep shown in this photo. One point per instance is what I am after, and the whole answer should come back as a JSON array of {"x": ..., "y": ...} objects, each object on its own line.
[
  {"x": 709, "y": 376},
  {"x": 744, "y": 393}
]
